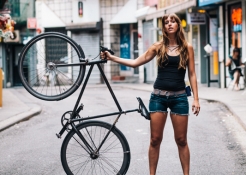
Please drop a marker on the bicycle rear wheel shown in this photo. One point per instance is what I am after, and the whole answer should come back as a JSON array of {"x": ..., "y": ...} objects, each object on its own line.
[
  {"x": 113, "y": 157},
  {"x": 39, "y": 70}
]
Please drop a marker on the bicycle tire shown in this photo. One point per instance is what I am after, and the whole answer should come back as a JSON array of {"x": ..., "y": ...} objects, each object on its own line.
[
  {"x": 75, "y": 159},
  {"x": 37, "y": 66}
]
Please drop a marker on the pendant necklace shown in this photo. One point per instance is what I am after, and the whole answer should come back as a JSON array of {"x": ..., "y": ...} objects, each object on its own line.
[{"x": 172, "y": 48}]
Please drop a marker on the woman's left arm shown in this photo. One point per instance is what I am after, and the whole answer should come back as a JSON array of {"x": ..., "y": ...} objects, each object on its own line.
[{"x": 193, "y": 80}]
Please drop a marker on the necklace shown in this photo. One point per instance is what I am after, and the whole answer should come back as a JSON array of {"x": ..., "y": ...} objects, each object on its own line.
[{"x": 172, "y": 48}]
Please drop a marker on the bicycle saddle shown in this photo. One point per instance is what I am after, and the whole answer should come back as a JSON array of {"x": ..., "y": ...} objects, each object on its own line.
[{"x": 142, "y": 109}]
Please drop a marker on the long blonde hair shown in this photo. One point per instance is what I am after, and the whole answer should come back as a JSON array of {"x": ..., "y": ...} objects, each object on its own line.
[{"x": 183, "y": 45}]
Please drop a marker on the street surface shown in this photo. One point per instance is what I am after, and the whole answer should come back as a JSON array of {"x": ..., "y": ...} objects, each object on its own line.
[{"x": 215, "y": 138}]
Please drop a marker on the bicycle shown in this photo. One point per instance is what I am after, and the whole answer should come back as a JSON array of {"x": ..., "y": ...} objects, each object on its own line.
[{"x": 50, "y": 73}]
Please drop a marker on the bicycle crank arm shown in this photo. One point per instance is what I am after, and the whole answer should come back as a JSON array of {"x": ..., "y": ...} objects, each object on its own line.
[{"x": 62, "y": 130}]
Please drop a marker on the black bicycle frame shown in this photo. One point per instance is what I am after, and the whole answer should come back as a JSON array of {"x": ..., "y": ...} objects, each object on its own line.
[{"x": 73, "y": 118}]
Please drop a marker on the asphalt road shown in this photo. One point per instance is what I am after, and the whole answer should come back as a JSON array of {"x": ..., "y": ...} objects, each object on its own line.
[{"x": 215, "y": 138}]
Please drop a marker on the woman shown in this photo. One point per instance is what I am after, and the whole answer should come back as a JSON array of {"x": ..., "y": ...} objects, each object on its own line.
[
  {"x": 174, "y": 54},
  {"x": 235, "y": 72}
]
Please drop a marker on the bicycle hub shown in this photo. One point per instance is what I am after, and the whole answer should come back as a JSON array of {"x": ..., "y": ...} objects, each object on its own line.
[
  {"x": 94, "y": 156},
  {"x": 51, "y": 66}
]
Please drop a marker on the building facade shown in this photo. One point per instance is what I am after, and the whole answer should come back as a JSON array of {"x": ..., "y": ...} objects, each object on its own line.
[
  {"x": 111, "y": 23},
  {"x": 219, "y": 23},
  {"x": 130, "y": 27},
  {"x": 20, "y": 11}
]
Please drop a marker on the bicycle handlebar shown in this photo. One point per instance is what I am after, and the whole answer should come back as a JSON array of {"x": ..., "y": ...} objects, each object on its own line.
[{"x": 103, "y": 49}]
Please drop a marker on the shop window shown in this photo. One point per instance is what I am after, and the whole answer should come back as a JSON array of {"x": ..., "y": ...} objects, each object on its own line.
[{"x": 15, "y": 8}]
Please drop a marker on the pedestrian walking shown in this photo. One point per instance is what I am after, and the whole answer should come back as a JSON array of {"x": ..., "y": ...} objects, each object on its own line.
[{"x": 174, "y": 54}]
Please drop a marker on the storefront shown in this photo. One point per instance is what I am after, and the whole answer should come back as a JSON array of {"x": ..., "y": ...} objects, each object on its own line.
[
  {"x": 213, "y": 33},
  {"x": 120, "y": 33},
  {"x": 11, "y": 47},
  {"x": 78, "y": 21},
  {"x": 236, "y": 30},
  {"x": 228, "y": 19}
]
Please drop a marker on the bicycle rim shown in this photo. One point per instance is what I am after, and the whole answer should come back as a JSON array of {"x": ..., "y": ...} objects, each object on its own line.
[
  {"x": 113, "y": 157},
  {"x": 38, "y": 71}
]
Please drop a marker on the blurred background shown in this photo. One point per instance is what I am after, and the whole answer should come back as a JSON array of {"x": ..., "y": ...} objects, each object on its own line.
[{"x": 129, "y": 27}]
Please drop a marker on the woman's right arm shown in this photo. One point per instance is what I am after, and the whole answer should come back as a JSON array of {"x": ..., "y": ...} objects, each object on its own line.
[
  {"x": 142, "y": 59},
  {"x": 228, "y": 62}
]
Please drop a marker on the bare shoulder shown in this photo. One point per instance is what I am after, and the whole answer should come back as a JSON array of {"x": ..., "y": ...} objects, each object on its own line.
[
  {"x": 155, "y": 47},
  {"x": 190, "y": 47}
]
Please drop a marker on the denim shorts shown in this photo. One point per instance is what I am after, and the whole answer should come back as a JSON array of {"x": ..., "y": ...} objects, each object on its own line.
[{"x": 178, "y": 104}]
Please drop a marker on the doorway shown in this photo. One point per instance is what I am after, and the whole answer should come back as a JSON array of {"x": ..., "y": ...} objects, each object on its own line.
[{"x": 15, "y": 57}]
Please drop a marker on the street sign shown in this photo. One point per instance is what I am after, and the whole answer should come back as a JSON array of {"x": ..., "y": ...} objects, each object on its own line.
[
  {"x": 196, "y": 18},
  {"x": 31, "y": 23}
]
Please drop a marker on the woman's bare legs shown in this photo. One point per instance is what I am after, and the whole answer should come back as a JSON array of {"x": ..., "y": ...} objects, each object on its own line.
[
  {"x": 236, "y": 76},
  {"x": 180, "y": 125},
  {"x": 157, "y": 123}
]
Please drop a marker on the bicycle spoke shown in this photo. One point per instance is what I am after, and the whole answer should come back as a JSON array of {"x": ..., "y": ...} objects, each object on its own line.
[
  {"x": 81, "y": 145},
  {"x": 111, "y": 146},
  {"x": 102, "y": 167},
  {"x": 110, "y": 165},
  {"x": 38, "y": 71},
  {"x": 80, "y": 167},
  {"x": 91, "y": 138}
]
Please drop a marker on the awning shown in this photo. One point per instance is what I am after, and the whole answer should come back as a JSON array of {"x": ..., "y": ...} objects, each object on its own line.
[
  {"x": 48, "y": 15},
  {"x": 126, "y": 14},
  {"x": 91, "y": 26},
  {"x": 143, "y": 12},
  {"x": 172, "y": 9}
]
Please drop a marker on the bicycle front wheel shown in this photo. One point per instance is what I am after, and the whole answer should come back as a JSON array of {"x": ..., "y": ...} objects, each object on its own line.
[
  {"x": 113, "y": 157},
  {"x": 39, "y": 68}
]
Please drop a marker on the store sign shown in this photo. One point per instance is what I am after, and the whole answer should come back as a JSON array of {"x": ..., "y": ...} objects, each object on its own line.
[
  {"x": 207, "y": 2},
  {"x": 196, "y": 18},
  {"x": 31, "y": 23},
  {"x": 236, "y": 18},
  {"x": 125, "y": 44}
]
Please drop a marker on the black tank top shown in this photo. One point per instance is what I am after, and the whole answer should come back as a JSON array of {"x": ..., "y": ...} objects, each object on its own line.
[{"x": 169, "y": 77}]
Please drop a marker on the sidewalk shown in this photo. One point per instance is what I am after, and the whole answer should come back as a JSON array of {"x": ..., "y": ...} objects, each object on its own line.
[{"x": 14, "y": 110}]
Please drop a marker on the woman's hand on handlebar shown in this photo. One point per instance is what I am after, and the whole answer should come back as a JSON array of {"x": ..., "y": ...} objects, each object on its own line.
[{"x": 105, "y": 55}]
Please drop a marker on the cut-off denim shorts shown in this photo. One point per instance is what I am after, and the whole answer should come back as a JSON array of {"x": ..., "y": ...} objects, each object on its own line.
[{"x": 178, "y": 104}]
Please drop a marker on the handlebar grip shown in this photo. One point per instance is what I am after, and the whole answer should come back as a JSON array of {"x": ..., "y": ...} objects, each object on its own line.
[
  {"x": 103, "y": 49},
  {"x": 110, "y": 51}
]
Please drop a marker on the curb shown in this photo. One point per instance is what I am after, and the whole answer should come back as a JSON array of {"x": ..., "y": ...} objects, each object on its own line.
[
  {"x": 218, "y": 101},
  {"x": 19, "y": 117},
  {"x": 231, "y": 111}
]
